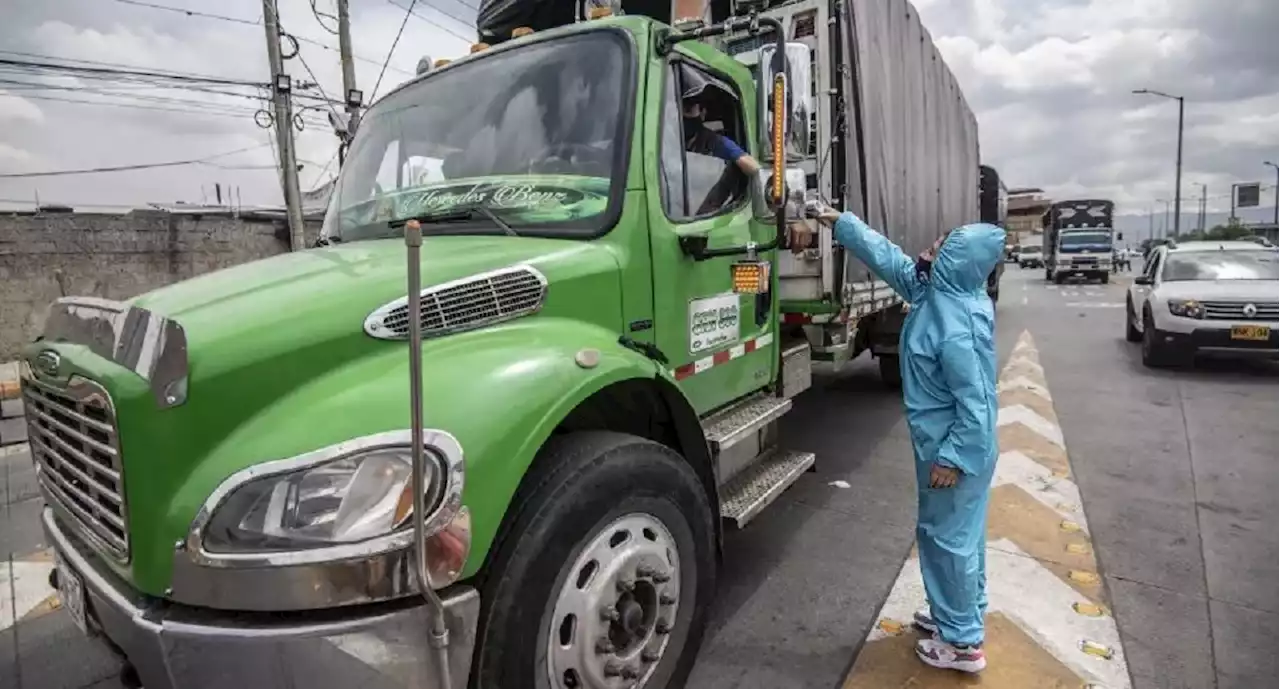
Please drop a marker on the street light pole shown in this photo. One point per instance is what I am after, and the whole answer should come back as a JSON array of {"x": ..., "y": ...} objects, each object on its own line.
[
  {"x": 1177, "y": 180},
  {"x": 1275, "y": 217}
]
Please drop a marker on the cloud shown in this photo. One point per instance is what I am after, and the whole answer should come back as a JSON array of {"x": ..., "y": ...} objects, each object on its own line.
[
  {"x": 1051, "y": 84},
  {"x": 115, "y": 123},
  {"x": 1049, "y": 80}
]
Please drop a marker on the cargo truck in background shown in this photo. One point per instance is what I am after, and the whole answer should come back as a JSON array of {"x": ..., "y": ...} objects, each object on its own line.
[
  {"x": 1079, "y": 240},
  {"x": 604, "y": 331}
]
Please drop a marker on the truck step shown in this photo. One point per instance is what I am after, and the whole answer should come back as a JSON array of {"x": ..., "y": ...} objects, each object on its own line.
[
  {"x": 759, "y": 485},
  {"x": 735, "y": 424}
]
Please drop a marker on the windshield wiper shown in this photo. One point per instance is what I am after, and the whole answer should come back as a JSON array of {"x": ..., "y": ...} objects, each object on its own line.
[{"x": 458, "y": 215}]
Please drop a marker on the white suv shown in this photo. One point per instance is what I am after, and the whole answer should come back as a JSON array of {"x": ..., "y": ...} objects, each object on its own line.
[{"x": 1206, "y": 296}]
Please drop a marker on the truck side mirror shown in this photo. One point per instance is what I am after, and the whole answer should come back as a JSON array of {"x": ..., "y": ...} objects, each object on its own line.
[
  {"x": 1142, "y": 280},
  {"x": 1119, "y": 236},
  {"x": 797, "y": 100}
]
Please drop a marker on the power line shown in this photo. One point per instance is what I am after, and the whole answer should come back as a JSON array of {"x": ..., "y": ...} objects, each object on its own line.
[
  {"x": 114, "y": 71},
  {"x": 123, "y": 168},
  {"x": 318, "y": 14},
  {"x": 244, "y": 22},
  {"x": 190, "y": 13},
  {"x": 328, "y": 101},
  {"x": 201, "y": 111},
  {"x": 437, "y": 24},
  {"x": 392, "y": 50},
  {"x": 101, "y": 63}
]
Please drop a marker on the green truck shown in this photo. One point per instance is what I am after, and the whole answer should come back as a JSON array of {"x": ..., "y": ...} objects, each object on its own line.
[{"x": 288, "y": 473}]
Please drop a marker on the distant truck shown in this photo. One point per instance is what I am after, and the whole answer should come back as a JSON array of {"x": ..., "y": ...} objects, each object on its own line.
[{"x": 1079, "y": 240}]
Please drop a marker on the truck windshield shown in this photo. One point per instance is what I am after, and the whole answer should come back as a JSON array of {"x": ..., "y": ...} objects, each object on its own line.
[
  {"x": 1221, "y": 265},
  {"x": 535, "y": 134},
  {"x": 1085, "y": 241}
]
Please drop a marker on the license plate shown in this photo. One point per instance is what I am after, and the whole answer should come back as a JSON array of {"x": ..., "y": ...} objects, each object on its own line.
[
  {"x": 1250, "y": 332},
  {"x": 71, "y": 592}
]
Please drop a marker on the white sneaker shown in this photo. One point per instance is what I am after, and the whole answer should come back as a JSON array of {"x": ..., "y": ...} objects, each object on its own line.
[
  {"x": 937, "y": 653},
  {"x": 923, "y": 620}
]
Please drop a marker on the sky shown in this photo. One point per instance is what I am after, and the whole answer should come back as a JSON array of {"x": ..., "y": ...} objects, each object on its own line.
[{"x": 1051, "y": 83}]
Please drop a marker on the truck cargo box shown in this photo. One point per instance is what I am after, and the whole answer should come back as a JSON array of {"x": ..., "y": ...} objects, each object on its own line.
[{"x": 912, "y": 146}]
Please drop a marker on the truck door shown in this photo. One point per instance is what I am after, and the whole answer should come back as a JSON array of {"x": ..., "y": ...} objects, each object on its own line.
[{"x": 720, "y": 344}]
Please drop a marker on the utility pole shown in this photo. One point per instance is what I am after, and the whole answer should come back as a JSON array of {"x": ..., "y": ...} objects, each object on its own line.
[
  {"x": 281, "y": 86},
  {"x": 1177, "y": 178},
  {"x": 1204, "y": 207},
  {"x": 350, "y": 94}
]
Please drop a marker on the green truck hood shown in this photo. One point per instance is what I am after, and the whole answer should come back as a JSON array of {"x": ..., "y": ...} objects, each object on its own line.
[
  {"x": 260, "y": 334},
  {"x": 291, "y": 309}
]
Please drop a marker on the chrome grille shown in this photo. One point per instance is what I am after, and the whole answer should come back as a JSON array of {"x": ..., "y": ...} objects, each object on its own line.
[
  {"x": 74, "y": 444},
  {"x": 465, "y": 304},
  {"x": 1235, "y": 310}
]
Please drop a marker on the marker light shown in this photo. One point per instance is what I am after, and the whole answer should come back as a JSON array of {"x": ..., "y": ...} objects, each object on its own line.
[
  {"x": 750, "y": 277},
  {"x": 521, "y": 31},
  {"x": 779, "y": 120},
  {"x": 442, "y": 62},
  {"x": 600, "y": 12},
  {"x": 477, "y": 47}
]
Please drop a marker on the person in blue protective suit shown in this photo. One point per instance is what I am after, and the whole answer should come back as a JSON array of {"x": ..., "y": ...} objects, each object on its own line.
[{"x": 948, "y": 360}]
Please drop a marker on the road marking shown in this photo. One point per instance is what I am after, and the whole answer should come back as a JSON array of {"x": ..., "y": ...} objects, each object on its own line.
[
  {"x": 1096, "y": 304},
  {"x": 1049, "y": 622}
]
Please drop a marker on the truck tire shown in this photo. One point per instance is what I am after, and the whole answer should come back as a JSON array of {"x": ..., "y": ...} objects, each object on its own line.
[
  {"x": 1059, "y": 278},
  {"x": 1105, "y": 278},
  {"x": 890, "y": 370},
  {"x": 603, "y": 571}
]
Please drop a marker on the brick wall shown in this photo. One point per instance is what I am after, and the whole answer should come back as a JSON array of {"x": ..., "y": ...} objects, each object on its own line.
[{"x": 43, "y": 257}]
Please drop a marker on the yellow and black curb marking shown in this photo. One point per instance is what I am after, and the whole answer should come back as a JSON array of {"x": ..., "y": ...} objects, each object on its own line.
[{"x": 1049, "y": 624}]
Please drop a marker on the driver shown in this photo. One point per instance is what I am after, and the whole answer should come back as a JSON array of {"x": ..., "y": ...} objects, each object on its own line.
[{"x": 699, "y": 139}]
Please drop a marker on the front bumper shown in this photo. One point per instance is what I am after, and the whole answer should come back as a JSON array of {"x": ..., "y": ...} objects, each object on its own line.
[
  {"x": 1215, "y": 340},
  {"x": 380, "y": 646}
]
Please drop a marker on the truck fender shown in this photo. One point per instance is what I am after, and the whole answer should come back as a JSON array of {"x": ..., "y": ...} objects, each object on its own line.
[{"x": 501, "y": 392}]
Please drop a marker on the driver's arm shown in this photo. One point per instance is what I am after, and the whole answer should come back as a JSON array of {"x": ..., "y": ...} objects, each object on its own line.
[{"x": 725, "y": 149}]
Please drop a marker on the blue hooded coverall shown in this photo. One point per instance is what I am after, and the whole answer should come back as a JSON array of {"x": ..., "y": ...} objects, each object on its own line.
[{"x": 948, "y": 362}]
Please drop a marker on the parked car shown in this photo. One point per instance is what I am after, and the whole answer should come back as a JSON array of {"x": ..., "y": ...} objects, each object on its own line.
[
  {"x": 1030, "y": 257},
  {"x": 1205, "y": 297}
]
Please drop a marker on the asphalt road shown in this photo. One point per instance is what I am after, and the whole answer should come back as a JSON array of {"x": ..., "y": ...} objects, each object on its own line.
[{"x": 1177, "y": 470}]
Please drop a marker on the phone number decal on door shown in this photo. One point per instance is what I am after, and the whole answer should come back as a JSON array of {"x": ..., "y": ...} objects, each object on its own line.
[{"x": 713, "y": 321}]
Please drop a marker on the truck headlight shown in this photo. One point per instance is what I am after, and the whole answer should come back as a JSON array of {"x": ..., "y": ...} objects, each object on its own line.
[
  {"x": 350, "y": 499},
  {"x": 1187, "y": 308}
]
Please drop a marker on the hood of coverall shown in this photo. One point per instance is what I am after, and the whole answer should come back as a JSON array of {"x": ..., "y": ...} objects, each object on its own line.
[{"x": 966, "y": 258}]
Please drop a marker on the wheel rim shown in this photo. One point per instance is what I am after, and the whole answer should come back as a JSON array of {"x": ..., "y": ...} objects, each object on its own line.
[{"x": 611, "y": 620}]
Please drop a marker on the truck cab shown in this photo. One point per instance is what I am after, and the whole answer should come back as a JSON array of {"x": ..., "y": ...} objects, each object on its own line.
[{"x": 1079, "y": 240}]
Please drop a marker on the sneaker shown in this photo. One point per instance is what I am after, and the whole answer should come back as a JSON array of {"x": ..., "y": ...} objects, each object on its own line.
[
  {"x": 937, "y": 653},
  {"x": 923, "y": 620}
]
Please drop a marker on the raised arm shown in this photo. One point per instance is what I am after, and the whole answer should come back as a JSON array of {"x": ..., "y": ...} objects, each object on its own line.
[{"x": 882, "y": 256}]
